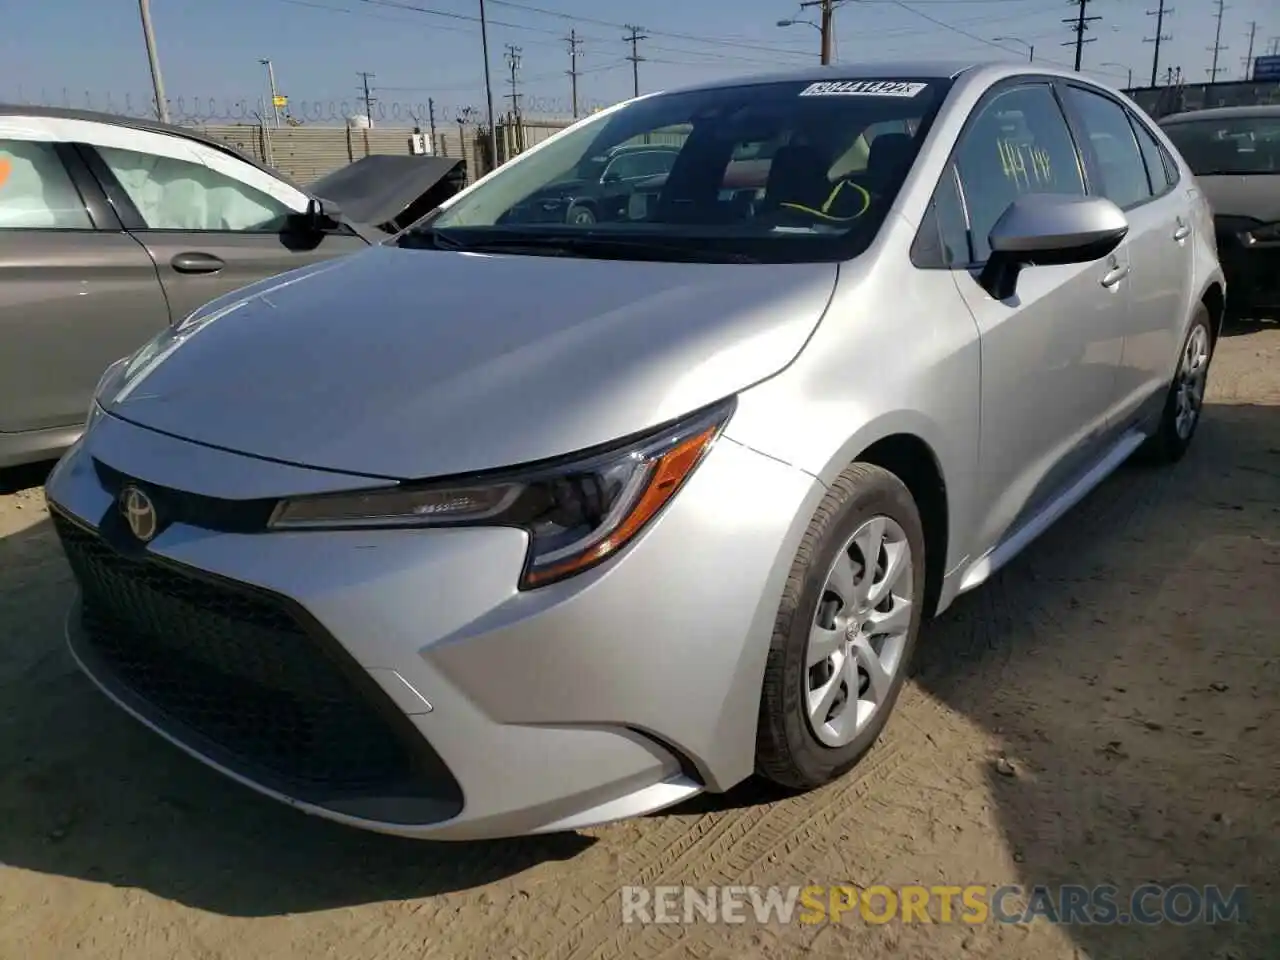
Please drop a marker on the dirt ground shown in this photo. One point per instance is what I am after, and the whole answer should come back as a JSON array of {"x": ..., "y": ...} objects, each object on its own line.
[{"x": 1127, "y": 668}]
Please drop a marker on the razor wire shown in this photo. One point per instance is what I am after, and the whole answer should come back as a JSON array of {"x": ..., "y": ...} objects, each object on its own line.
[{"x": 195, "y": 110}]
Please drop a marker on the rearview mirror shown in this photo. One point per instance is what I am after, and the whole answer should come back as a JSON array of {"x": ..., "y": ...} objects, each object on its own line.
[{"x": 1045, "y": 229}]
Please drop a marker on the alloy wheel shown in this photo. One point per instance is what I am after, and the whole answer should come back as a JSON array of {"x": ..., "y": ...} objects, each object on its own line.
[
  {"x": 859, "y": 632},
  {"x": 1192, "y": 375}
]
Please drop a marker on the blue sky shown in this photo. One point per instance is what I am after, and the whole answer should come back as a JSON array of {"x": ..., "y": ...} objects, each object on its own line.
[{"x": 91, "y": 52}]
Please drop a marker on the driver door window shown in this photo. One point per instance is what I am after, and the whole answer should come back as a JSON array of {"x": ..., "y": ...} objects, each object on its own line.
[
  {"x": 173, "y": 194},
  {"x": 1018, "y": 144}
]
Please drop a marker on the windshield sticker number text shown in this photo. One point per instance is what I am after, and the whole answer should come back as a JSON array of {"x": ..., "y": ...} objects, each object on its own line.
[{"x": 862, "y": 88}]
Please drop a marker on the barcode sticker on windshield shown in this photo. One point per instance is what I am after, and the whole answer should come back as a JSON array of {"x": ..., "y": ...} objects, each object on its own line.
[{"x": 862, "y": 88}]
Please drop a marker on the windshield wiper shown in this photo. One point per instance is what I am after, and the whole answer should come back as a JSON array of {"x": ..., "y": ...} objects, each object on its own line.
[{"x": 622, "y": 248}]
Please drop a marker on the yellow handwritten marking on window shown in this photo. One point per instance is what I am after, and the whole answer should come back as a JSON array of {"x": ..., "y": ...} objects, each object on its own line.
[
  {"x": 1014, "y": 163},
  {"x": 825, "y": 211},
  {"x": 6, "y": 168}
]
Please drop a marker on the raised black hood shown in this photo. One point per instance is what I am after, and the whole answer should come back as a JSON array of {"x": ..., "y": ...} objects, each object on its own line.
[{"x": 389, "y": 191}]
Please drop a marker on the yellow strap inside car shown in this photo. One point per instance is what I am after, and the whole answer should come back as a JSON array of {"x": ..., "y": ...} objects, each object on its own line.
[{"x": 825, "y": 211}]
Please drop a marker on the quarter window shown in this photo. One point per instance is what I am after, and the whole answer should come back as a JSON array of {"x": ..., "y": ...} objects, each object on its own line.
[
  {"x": 1017, "y": 144},
  {"x": 36, "y": 192},
  {"x": 1153, "y": 156},
  {"x": 173, "y": 194},
  {"x": 1106, "y": 124}
]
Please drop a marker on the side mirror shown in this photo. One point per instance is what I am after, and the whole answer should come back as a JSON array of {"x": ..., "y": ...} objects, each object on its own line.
[
  {"x": 1045, "y": 229},
  {"x": 323, "y": 214}
]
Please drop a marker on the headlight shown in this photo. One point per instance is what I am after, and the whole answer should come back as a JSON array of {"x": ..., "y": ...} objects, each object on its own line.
[
  {"x": 577, "y": 513},
  {"x": 1268, "y": 233}
]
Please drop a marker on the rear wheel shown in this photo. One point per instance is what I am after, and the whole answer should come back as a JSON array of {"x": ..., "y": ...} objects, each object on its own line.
[
  {"x": 1185, "y": 399},
  {"x": 845, "y": 631}
]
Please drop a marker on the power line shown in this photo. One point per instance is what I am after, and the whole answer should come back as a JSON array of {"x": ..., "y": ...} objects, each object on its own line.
[
  {"x": 1217, "y": 47},
  {"x": 574, "y": 43},
  {"x": 713, "y": 41},
  {"x": 1079, "y": 24},
  {"x": 1160, "y": 13},
  {"x": 634, "y": 37},
  {"x": 952, "y": 27}
]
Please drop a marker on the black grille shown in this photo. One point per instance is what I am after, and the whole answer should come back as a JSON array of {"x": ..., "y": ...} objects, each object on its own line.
[{"x": 234, "y": 667}]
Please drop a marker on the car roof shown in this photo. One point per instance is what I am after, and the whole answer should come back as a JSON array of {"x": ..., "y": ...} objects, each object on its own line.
[
  {"x": 1252, "y": 110},
  {"x": 979, "y": 70},
  {"x": 149, "y": 126}
]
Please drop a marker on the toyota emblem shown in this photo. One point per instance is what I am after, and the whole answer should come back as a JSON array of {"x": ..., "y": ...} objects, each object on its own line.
[{"x": 139, "y": 512}]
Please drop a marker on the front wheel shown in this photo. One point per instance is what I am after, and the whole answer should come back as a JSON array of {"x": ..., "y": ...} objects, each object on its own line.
[
  {"x": 845, "y": 631},
  {"x": 1185, "y": 399}
]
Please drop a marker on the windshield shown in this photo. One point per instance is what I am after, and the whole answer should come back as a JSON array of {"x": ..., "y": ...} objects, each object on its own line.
[
  {"x": 776, "y": 171},
  {"x": 1240, "y": 145}
]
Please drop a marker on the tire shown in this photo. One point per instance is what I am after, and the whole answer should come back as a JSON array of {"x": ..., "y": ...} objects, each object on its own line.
[
  {"x": 1170, "y": 441},
  {"x": 580, "y": 215},
  {"x": 789, "y": 748}
]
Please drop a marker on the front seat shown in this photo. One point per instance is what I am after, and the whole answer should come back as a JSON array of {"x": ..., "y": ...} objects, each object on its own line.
[
  {"x": 888, "y": 159},
  {"x": 797, "y": 175}
]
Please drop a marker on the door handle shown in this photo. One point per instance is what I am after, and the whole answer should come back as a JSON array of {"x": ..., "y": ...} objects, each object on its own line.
[
  {"x": 1115, "y": 275},
  {"x": 1182, "y": 232},
  {"x": 191, "y": 262}
]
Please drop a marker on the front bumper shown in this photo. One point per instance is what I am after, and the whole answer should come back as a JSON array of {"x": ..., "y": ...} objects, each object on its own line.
[{"x": 397, "y": 680}]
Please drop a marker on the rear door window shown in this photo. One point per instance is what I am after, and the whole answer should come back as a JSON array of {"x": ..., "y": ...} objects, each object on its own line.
[
  {"x": 1115, "y": 149},
  {"x": 36, "y": 192}
]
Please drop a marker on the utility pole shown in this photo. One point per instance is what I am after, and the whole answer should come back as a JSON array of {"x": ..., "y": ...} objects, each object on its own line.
[
  {"x": 271, "y": 82},
  {"x": 369, "y": 101},
  {"x": 431, "y": 119},
  {"x": 465, "y": 115},
  {"x": 488, "y": 86},
  {"x": 513, "y": 64},
  {"x": 149, "y": 35},
  {"x": 1275, "y": 46},
  {"x": 574, "y": 44},
  {"x": 827, "y": 9},
  {"x": 1248, "y": 59},
  {"x": 1159, "y": 13},
  {"x": 1217, "y": 42},
  {"x": 1079, "y": 24},
  {"x": 633, "y": 38}
]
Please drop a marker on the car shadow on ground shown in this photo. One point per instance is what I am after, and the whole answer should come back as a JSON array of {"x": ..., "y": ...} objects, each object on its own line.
[
  {"x": 1129, "y": 663},
  {"x": 1239, "y": 327},
  {"x": 87, "y": 792}
]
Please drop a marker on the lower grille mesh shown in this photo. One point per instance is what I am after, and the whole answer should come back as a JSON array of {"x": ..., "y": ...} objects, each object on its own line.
[{"x": 234, "y": 667}]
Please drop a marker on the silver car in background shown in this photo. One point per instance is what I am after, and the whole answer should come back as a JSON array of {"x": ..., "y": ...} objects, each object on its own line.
[{"x": 634, "y": 509}]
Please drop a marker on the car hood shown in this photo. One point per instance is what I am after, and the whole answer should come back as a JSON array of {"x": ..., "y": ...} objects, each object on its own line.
[
  {"x": 379, "y": 190},
  {"x": 411, "y": 363},
  {"x": 1255, "y": 196}
]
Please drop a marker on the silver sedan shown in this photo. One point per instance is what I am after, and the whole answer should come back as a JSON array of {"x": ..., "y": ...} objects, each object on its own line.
[{"x": 512, "y": 525}]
